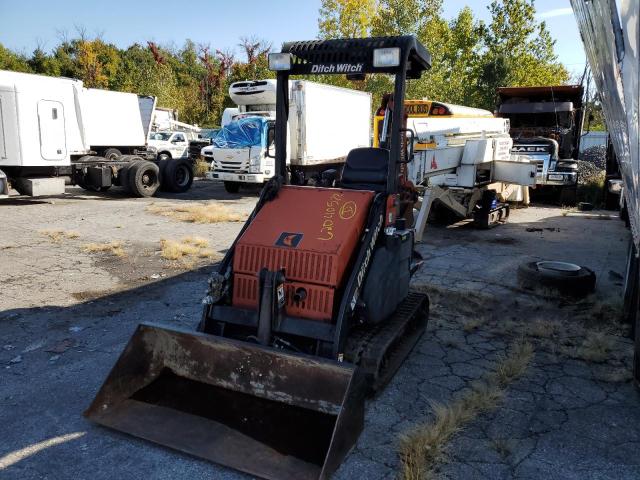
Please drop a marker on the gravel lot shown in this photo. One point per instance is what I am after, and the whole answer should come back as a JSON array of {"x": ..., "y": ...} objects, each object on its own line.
[{"x": 65, "y": 315}]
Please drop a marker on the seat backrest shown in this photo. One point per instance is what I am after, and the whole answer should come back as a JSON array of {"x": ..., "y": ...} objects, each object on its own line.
[{"x": 366, "y": 169}]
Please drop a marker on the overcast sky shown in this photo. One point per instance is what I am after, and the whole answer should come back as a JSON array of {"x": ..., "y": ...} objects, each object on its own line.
[{"x": 28, "y": 24}]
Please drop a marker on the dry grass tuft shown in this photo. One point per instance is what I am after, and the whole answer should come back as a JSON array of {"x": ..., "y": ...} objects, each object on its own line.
[
  {"x": 425, "y": 445},
  {"x": 173, "y": 250},
  {"x": 513, "y": 365},
  {"x": 600, "y": 312},
  {"x": 113, "y": 248},
  {"x": 198, "y": 213},
  {"x": 596, "y": 347},
  {"x": 59, "y": 235},
  {"x": 620, "y": 375},
  {"x": 200, "y": 168},
  {"x": 186, "y": 250},
  {"x": 542, "y": 328},
  {"x": 90, "y": 294},
  {"x": 474, "y": 323},
  {"x": 196, "y": 241}
]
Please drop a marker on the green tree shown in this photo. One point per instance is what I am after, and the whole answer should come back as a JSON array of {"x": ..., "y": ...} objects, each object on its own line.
[
  {"x": 43, "y": 64},
  {"x": 13, "y": 61},
  {"x": 346, "y": 18},
  {"x": 519, "y": 50},
  {"x": 405, "y": 17}
]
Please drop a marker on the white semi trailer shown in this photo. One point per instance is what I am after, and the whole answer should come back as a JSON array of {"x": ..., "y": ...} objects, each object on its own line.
[
  {"x": 325, "y": 123},
  {"x": 54, "y": 131}
]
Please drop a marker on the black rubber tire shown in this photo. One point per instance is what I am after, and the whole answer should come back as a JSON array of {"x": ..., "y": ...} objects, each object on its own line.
[
  {"x": 611, "y": 200},
  {"x": 176, "y": 176},
  {"x": 143, "y": 178},
  {"x": 164, "y": 156},
  {"x": 568, "y": 196},
  {"x": 232, "y": 187},
  {"x": 162, "y": 165},
  {"x": 123, "y": 173},
  {"x": 112, "y": 154},
  {"x": 575, "y": 284},
  {"x": 92, "y": 188}
]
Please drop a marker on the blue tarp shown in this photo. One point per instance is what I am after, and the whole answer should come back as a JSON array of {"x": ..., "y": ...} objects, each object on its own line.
[{"x": 242, "y": 133}]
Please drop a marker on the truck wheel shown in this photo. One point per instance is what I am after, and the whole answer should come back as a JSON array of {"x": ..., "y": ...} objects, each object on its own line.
[
  {"x": 232, "y": 187},
  {"x": 143, "y": 178},
  {"x": 177, "y": 176},
  {"x": 611, "y": 201},
  {"x": 566, "y": 278},
  {"x": 112, "y": 154},
  {"x": 164, "y": 156},
  {"x": 569, "y": 196}
]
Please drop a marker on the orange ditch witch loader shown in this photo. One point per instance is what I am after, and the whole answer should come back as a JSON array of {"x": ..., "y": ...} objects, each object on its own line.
[{"x": 308, "y": 312}]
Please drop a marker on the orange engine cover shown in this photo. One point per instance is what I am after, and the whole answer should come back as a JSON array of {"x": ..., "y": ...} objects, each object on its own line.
[{"x": 311, "y": 233}]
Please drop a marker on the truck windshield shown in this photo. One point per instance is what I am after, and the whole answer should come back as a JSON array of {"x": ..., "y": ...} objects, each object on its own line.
[
  {"x": 163, "y": 136},
  {"x": 561, "y": 119},
  {"x": 241, "y": 133},
  {"x": 209, "y": 133}
]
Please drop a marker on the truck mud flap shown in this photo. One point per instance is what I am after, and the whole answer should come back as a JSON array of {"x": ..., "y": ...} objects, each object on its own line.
[{"x": 272, "y": 414}]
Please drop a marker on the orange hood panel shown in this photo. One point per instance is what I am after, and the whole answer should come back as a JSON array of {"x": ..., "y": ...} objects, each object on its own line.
[{"x": 310, "y": 232}]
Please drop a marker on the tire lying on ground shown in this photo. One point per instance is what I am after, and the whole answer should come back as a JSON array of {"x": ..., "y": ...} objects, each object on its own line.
[
  {"x": 566, "y": 278},
  {"x": 176, "y": 175},
  {"x": 143, "y": 178}
]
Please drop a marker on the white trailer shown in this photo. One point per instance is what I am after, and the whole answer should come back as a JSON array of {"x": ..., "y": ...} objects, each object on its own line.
[
  {"x": 54, "y": 131},
  {"x": 325, "y": 123},
  {"x": 116, "y": 123}
]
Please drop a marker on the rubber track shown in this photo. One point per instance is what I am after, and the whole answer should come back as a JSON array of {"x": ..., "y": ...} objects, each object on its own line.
[{"x": 380, "y": 349}]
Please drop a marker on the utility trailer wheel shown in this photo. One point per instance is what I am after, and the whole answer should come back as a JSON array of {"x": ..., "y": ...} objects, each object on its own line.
[
  {"x": 176, "y": 175},
  {"x": 112, "y": 154},
  {"x": 232, "y": 187},
  {"x": 566, "y": 278},
  {"x": 143, "y": 178}
]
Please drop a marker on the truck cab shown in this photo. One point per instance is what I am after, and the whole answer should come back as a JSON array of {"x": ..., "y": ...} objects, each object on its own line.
[
  {"x": 546, "y": 127},
  {"x": 169, "y": 144},
  {"x": 239, "y": 152}
]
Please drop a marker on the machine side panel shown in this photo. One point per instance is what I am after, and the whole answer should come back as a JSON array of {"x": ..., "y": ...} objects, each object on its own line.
[{"x": 310, "y": 232}]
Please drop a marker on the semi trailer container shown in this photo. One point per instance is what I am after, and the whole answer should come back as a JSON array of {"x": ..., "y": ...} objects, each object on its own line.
[{"x": 54, "y": 131}]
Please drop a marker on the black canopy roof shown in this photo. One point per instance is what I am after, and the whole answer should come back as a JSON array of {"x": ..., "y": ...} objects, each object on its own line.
[{"x": 355, "y": 51}]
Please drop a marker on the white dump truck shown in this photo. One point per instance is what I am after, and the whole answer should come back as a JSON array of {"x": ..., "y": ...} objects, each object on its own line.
[
  {"x": 325, "y": 123},
  {"x": 54, "y": 131}
]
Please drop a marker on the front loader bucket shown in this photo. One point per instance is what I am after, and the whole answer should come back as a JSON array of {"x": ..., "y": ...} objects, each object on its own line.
[{"x": 271, "y": 414}]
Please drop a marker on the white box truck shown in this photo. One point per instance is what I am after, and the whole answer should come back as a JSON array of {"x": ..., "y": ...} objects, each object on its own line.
[
  {"x": 325, "y": 123},
  {"x": 54, "y": 131}
]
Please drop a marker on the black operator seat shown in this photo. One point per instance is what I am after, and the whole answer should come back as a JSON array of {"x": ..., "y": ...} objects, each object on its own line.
[{"x": 366, "y": 168}]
